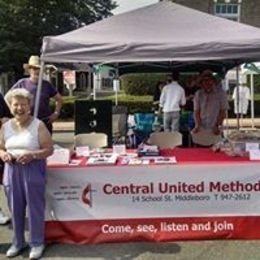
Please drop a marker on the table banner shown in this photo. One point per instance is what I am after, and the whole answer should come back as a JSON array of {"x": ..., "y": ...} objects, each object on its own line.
[{"x": 153, "y": 203}]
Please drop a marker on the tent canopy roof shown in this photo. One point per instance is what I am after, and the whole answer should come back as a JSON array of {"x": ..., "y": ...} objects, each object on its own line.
[{"x": 164, "y": 33}]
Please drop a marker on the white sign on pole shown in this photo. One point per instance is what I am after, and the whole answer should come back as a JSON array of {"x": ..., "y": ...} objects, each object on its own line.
[
  {"x": 116, "y": 85},
  {"x": 69, "y": 77},
  {"x": 116, "y": 88}
]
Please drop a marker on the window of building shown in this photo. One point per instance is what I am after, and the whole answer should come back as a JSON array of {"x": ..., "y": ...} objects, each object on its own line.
[{"x": 228, "y": 11}]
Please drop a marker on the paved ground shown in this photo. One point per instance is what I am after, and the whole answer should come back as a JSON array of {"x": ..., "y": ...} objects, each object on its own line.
[
  {"x": 200, "y": 250},
  {"x": 69, "y": 126}
]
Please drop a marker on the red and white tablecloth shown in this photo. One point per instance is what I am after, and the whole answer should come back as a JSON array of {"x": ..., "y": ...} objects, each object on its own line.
[{"x": 206, "y": 195}]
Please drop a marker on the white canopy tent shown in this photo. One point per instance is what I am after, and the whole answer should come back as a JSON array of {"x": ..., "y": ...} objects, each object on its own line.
[
  {"x": 159, "y": 37},
  {"x": 161, "y": 32}
]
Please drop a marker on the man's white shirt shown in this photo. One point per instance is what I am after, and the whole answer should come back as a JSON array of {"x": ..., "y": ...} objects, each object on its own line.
[{"x": 172, "y": 97}]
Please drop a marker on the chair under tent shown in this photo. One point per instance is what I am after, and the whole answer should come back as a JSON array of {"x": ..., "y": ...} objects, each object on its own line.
[
  {"x": 140, "y": 129},
  {"x": 119, "y": 124},
  {"x": 93, "y": 140}
]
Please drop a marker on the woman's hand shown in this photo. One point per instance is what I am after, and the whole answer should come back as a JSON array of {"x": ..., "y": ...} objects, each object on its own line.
[
  {"x": 195, "y": 130},
  {"x": 6, "y": 157},
  {"x": 216, "y": 130},
  {"x": 53, "y": 117},
  {"x": 25, "y": 158}
]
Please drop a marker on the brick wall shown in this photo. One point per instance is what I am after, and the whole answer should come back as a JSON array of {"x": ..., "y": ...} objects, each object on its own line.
[
  {"x": 201, "y": 5},
  {"x": 250, "y": 9},
  {"x": 250, "y": 12}
]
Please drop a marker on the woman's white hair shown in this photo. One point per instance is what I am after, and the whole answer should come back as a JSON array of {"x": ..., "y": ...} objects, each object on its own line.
[{"x": 18, "y": 93}]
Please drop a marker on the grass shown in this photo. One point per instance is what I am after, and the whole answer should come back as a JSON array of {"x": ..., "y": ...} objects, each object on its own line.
[
  {"x": 121, "y": 98},
  {"x": 257, "y": 96},
  {"x": 129, "y": 98}
]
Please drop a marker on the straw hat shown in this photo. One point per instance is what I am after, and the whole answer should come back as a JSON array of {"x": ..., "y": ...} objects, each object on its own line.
[
  {"x": 205, "y": 75},
  {"x": 34, "y": 62}
]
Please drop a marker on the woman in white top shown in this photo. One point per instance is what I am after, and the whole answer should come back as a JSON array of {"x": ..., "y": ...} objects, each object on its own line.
[{"x": 25, "y": 143}]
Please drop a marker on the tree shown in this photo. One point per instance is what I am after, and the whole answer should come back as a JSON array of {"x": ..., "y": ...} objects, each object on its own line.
[{"x": 23, "y": 24}]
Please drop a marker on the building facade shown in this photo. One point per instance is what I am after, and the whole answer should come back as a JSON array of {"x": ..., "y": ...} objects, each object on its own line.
[{"x": 244, "y": 11}]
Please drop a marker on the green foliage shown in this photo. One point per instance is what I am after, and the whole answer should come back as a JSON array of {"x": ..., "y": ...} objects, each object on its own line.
[
  {"x": 129, "y": 98},
  {"x": 134, "y": 103},
  {"x": 139, "y": 104},
  {"x": 142, "y": 83},
  {"x": 256, "y": 83},
  {"x": 23, "y": 23},
  {"x": 145, "y": 83}
]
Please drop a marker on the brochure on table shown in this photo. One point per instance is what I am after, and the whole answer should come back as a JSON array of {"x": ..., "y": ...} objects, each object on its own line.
[
  {"x": 105, "y": 159},
  {"x": 60, "y": 156}
]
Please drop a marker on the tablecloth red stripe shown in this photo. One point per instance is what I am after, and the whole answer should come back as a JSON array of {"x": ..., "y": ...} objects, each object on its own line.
[
  {"x": 183, "y": 156},
  {"x": 85, "y": 232},
  {"x": 199, "y": 155}
]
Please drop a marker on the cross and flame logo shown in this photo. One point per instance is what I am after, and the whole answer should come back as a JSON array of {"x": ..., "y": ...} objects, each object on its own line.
[{"x": 86, "y": 196}]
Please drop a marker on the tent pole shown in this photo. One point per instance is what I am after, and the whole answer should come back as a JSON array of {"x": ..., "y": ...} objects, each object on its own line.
[
  {"x": 252, "y": 100},
  {"x": 90, "y": 81},
  {"x": 227, "y": 89},
  {"x": 116, "y": 94},
  {"x": 116, "y": 98},
  {"x": 95, "y": 81},
  {"x": 39, "y": 90},
  {"x": 237, "y": 101}
]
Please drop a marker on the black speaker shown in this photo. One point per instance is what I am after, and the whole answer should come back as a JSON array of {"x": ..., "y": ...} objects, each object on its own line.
[{"x": 94, "y": 116}]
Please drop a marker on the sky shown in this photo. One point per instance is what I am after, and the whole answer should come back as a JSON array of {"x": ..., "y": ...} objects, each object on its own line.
[{"x": 127, "y": 5}]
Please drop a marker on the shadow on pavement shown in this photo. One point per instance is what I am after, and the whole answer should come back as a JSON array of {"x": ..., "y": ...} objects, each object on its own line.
[
  {"x": 111, "y": 251},
  {"x": 4, "y": 247}
]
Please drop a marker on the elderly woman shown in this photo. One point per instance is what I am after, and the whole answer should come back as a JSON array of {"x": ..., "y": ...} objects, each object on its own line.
[
  {"x": 4, "y": 114},
  {"x": 25, "y": 143}
]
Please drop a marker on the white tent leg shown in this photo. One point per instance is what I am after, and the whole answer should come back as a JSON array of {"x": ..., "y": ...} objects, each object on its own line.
[
  {"x": 237, "y": 101},
  {"x": 39, "y": 90},
  {"x": 252, "y": 100},
  {"x": 90, "y": 81},
  {"x": 95, "y": 81},
  {"x": 116, "y": 92},
  {"x": 227, "y": 126},
  {"x": 116, "y": 98}
]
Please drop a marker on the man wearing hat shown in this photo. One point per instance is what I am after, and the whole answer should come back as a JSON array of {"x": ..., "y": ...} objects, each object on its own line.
[
  {"x": 210, "y": 104},
  {"x": 48, "y": 91}
]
